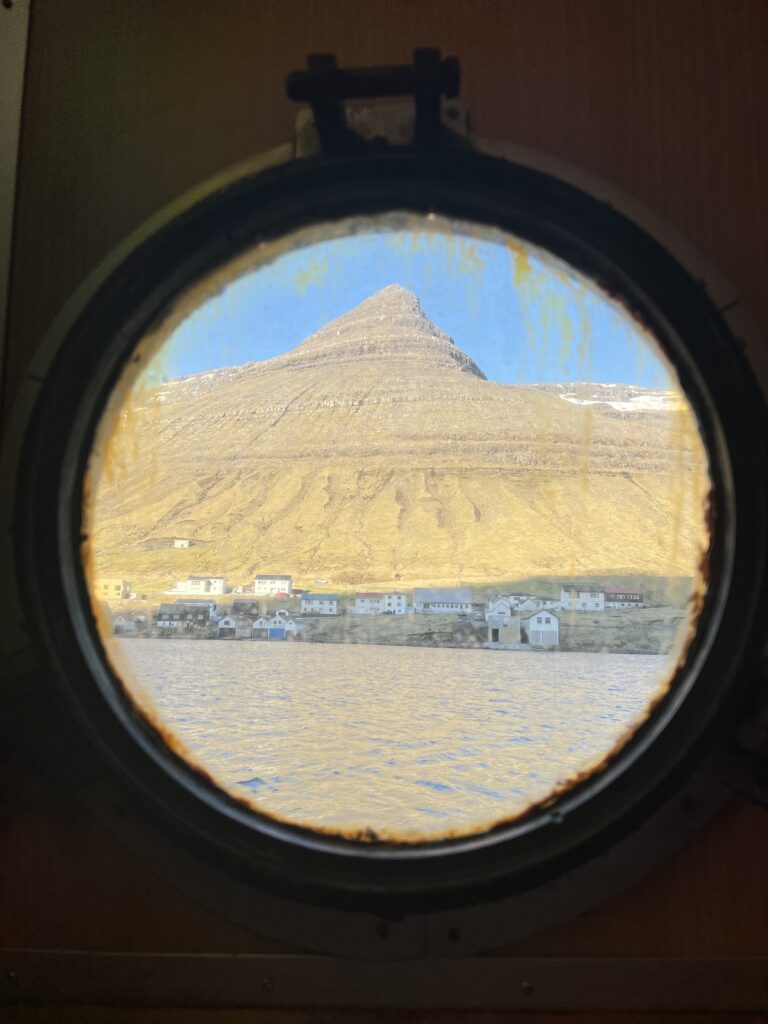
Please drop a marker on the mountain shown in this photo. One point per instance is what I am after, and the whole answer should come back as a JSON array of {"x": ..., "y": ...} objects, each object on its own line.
[{"x": 377, "y": 451}]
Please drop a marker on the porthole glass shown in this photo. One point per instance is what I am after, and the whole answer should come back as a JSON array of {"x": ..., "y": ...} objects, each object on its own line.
[{"x": 397, "y": 527}]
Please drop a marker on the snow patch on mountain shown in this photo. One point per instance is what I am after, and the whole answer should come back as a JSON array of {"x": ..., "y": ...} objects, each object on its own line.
[{"x": 621, "y": 397}]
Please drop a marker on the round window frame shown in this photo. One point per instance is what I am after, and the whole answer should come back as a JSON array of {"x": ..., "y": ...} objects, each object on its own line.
[{"x": 139, "y": 285}]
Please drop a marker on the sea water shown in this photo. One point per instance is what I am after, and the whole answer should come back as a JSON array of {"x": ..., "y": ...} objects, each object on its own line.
[{"x": 403, "y": 739}]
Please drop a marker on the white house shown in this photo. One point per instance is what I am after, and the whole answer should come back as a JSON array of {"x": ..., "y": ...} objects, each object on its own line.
[
  {"x": 202, "y": 585},
  {"x": 395, "y": 603},
  {"x": 371, "y": 603},
  {"x": 623, "y": 599},
  {"x": 503, "y": 621},
  {"x": 541, "y": 628},
  {"x": 319, "y": 604},
  {"x": 182, "y": 542},
  {"x": 270, "y": 586},
  {"x": 442, "y": 600},
  {"x": 578, "y": 597},
  {"x": 498, "y": 606},
  {"x": 236, "y": 626}
]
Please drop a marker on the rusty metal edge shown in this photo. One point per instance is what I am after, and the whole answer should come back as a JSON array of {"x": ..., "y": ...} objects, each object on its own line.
[{"x": 29, "y": 977}]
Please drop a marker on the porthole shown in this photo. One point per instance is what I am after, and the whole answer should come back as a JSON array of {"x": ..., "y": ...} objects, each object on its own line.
[
  {"x": 373, "y": 505},
  {"x": 397, "y": 445}
]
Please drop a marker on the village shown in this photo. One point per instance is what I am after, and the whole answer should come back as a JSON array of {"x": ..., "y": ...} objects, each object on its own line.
[{"x": 207, "y": 607}]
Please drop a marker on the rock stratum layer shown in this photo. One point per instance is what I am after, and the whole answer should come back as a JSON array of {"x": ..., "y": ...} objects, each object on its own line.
[{"x": 376, "y": 450}]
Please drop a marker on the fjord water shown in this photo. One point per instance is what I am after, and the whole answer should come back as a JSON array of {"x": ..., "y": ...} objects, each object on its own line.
[{"x": 394, "y": 739}]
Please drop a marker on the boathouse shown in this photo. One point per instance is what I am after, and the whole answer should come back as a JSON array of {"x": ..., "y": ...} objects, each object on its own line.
[
  {"x": 540, "y": 628},
  {"x": 236, "y": 626},
  {"x": 259, "y": 628},
  {"x": 503, "y": 629}
]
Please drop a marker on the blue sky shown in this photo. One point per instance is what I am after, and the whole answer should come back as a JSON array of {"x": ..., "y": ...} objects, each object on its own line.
[{"x": 522, "y": 317}]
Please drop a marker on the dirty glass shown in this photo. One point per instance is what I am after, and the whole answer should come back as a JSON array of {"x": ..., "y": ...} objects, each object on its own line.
[{"x": 396, "y": 528}]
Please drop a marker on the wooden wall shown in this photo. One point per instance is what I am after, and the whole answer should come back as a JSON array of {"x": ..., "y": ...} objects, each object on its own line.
[{"x": 129, "y": 102}]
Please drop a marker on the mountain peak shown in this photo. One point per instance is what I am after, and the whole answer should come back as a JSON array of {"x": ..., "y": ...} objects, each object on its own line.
[
  {"x": 389, "y": 325},
  {"x": 391, "y": 299}
]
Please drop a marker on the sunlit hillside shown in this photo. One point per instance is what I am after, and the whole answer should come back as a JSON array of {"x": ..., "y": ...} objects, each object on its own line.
[{"x": 376, "y": 451}]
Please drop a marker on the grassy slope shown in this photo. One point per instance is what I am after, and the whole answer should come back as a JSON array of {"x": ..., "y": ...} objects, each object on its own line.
[{"x": 392, "y": 470}]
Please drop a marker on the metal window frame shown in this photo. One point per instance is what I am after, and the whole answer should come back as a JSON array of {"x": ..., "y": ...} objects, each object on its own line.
[{"x": 408, "y": 916}]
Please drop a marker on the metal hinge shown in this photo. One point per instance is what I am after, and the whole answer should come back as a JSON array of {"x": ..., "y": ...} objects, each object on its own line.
[{"x": 436, "y": 117}]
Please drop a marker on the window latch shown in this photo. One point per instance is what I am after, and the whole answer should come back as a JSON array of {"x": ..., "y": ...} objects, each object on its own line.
[{"x": 325, "y": 86}]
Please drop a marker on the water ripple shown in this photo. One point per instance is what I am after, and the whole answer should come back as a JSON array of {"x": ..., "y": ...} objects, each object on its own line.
[{"x": 340, "y": 735}]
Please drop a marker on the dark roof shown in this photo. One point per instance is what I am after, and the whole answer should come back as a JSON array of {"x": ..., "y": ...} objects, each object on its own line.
[
  {"x": 580, "y": 588},
  {"x": 442, "y": 595},
  {"x": 277, "y": 576},
  {"x": 314, "y": 597}
]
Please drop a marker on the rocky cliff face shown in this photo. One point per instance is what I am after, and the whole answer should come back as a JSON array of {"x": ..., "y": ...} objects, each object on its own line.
[{"x": 377, "y": 451}]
